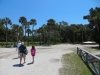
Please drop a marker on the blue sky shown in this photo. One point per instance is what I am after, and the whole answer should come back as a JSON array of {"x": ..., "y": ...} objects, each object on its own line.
[{"x": 71, "y": 11}]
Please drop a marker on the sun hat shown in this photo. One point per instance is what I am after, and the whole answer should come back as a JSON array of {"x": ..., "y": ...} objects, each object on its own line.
[{"x": 22, "y": 43}]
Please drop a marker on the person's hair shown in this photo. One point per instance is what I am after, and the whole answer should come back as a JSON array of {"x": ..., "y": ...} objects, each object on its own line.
[{"x": 33, "y": 47}]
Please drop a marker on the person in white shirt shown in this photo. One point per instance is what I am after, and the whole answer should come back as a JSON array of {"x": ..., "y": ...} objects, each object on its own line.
[{"x": 18, "y": 45}]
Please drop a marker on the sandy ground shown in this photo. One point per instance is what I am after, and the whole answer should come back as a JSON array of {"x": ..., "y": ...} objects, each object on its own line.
[{"x": 47, "y": 60}]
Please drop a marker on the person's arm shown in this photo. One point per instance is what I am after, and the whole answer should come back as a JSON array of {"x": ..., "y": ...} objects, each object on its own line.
[{"x": 17, "y": 47}]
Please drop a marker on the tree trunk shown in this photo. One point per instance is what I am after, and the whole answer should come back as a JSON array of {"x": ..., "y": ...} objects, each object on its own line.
[
  {"x": 40, "y": 38},
  {"x": 44, "y": 38},
  {"x": 77, "y": 37},
  {"x": 6, "y": 35},
  {"x": 17, "y": 35},
  {"x": 82, "y": 36},
  {"x": 28, "y": 36},
  {"x": 25, "y": 34},
  {"x": 32, "y": 34},
  {"x": 73, "y": 37}
]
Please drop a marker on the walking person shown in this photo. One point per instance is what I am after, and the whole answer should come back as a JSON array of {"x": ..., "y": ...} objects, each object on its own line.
[
  {"x": 22, "y": 52},
  {"x": 33, "y": 52},
  {"x": 17, "y": 49}
]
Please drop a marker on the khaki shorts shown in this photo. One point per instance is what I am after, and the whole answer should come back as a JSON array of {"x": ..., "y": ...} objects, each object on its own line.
[{"x": 22, "y": 55}]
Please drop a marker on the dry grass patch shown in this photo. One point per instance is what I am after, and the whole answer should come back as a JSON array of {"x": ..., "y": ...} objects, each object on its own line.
[{"x": 95, "y": 49}]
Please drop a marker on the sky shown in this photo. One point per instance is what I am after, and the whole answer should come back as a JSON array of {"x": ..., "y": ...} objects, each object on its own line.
[{"x": 71, "y": 11}]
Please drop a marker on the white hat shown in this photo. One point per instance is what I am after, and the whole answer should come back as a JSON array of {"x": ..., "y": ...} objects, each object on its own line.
[{"x": 22, "y": 43}]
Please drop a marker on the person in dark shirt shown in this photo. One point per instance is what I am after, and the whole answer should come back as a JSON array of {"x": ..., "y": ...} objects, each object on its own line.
[{"x": 22, "y": 55}]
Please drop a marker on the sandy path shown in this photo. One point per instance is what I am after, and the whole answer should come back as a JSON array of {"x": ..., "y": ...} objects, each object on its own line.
[{"x": 47, "y": 60}]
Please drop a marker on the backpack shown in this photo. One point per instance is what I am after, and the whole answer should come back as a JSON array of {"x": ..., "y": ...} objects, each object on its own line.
[{"x": 25, "y": 51}]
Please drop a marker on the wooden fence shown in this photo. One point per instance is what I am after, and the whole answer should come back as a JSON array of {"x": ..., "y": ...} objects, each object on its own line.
[{"x": 92, "y": 61}]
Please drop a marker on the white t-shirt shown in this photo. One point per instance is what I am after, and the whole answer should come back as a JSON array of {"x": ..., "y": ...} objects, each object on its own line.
[{"x": 18, "y": 45}]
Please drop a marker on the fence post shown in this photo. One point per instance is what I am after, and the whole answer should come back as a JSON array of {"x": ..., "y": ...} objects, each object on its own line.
[
  {"x": 87, "y": 58},
  {"x": 77, "y": 50}
]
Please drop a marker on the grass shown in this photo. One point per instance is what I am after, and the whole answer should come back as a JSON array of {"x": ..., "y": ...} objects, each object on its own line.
[
  {"x": 73, "y": 65},
  {"x": 26, "y": 43},
  {"x": 15, "y": 43}
]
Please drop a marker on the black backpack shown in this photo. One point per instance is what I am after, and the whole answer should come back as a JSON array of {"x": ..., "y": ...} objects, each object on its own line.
[
  {"x": 26, "y": 51},
  {"x": 23, "y": 49}
]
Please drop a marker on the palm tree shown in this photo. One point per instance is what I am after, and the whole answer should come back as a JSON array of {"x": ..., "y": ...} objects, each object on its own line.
[
  {"x": 40, "y": 32},
  {"x": 6, "y": 21},
  {"x": 27, "y": 25},
  {"x": 21, "y": 32},
  {"x": 33, "y": 23},
  {"x": 23, "y": 21},
  {"x": 15, "y": 28}
]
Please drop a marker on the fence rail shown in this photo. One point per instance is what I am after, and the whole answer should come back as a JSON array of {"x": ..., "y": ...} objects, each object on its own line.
[{"x": 92, "y": 61}]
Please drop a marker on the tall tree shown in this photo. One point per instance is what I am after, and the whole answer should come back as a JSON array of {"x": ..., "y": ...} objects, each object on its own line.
[
  {"x": 28, "y": 30},
  {"x": 33, "y": 23},
  {"x": 6, "y": 21},
  {"x": 64, "y": 29},
  {"x": 73, "y": 29},
  {"x": 23, "y": 21},
  {"x": 50, "y": 23},
  {"x": 40, "y": 32},
  {"x": 21, "y": 32},
  {"x": 94, "y": 20},
  {"x": 15, "y": 28},
  {"x": 2, "y": 31}
]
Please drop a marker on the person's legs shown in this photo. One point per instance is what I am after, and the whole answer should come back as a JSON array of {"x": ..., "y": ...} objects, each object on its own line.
[
  {"x": 20, "y": 58},
  {"x": 24, "y": 58},
  {"x": 33, "y": 58}
]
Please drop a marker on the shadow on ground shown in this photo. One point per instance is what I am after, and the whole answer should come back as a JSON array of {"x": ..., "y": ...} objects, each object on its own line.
[
  {"x": 30, "y": 63},
  {"x": 96, "y": 47},
  {"x": 18, "y": 65},
  {"x": 15, "y": 58}
]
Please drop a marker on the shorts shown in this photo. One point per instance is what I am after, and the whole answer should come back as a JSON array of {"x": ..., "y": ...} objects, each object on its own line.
[{"x": 22, "y": 55}]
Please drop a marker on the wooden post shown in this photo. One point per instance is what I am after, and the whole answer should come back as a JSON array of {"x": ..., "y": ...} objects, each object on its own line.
[
  {"x": 77, "y": 50},
  {"x": 86, "y": 58},
  {"x": 99, "y": 67}
]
